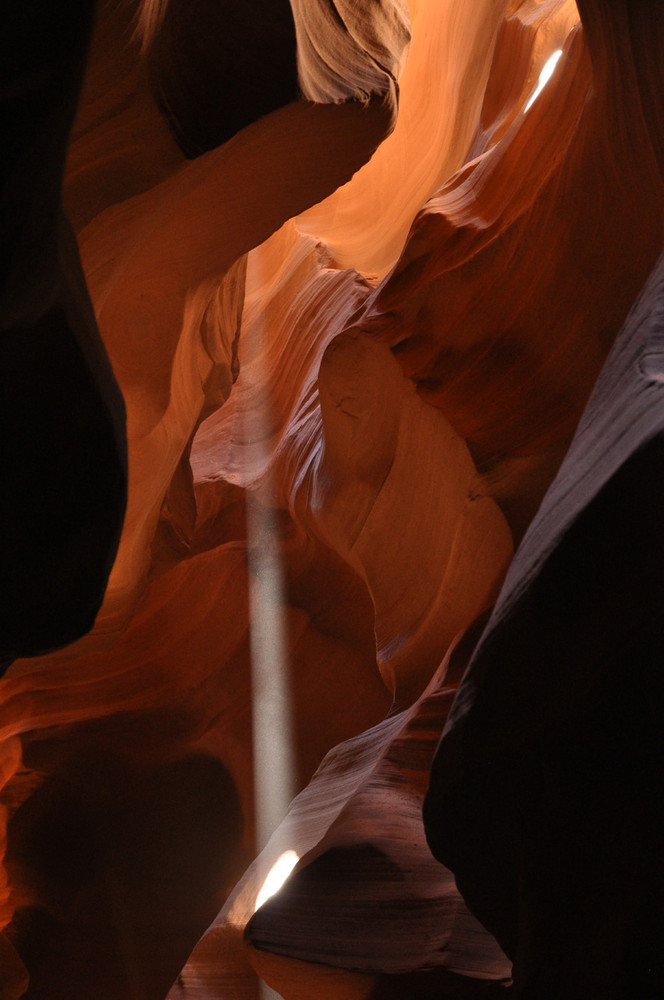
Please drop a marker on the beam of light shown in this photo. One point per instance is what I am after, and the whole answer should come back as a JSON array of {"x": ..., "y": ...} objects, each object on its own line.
[
  {"x": 276, "y": 876},
  {"x": 272, "y": 714},
  {"x": 274, "y": 765},
  {"x": 545, "y": 76}
]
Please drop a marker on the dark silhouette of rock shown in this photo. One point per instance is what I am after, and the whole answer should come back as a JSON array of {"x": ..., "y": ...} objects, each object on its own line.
[
  {"x": 545, "y": 790},
  {"x": 217, "y": 66},
  {"x": 63, "y": 485}
]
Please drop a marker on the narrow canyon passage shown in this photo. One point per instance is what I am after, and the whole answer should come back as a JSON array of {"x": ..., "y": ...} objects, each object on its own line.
[{"x": 331, "y": 409}]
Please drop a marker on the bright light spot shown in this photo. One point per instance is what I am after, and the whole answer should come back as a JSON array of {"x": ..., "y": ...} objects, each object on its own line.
[
  {"x": 277, "y": 875},
  {"x": 545, "y": 76}
]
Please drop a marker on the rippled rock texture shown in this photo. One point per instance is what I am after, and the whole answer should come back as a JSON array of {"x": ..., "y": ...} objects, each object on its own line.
[{"x": 346, "y": 321}]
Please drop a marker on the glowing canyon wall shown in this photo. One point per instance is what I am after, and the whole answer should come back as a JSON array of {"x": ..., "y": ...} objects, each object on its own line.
[{"x": 344, "y": 397}]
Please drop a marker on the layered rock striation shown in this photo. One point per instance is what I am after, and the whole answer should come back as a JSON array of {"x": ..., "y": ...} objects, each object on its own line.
[{"x": 345, "y": 299}]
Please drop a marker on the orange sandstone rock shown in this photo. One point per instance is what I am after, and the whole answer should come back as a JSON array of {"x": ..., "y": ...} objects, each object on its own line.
[{"x": 379, "y": 331}]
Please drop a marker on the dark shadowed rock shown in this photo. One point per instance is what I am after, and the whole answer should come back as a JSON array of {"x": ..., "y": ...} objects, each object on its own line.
[
  {"x": 63, "y": 485},
  {"x": 545, "y": 790},
  {"x": 218, "y": 66}
]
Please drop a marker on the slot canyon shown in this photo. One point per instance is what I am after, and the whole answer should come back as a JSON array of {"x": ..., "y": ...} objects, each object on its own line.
[{"x": 332, "y": 415}]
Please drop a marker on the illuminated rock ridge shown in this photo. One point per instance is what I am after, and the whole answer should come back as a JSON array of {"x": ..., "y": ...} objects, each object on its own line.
[{"x": 332, "y": 421}]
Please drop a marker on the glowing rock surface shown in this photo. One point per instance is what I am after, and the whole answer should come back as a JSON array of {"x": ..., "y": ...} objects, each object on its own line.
[{"x": 372, "y": 317}]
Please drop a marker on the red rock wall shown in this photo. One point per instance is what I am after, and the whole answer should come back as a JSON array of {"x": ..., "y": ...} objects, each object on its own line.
[{"x": 374, "y": 316}]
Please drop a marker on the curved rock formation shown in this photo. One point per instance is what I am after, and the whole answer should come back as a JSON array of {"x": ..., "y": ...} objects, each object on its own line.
[{"x": 368, "y": 321}]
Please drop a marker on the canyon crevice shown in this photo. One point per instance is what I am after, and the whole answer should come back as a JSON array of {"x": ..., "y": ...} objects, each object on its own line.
[{"x": 331, "y": 365}]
